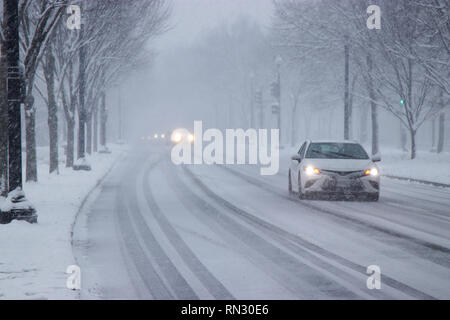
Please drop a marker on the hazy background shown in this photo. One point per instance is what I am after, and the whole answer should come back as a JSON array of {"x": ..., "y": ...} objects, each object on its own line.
[{"x": 209, "y": 61}]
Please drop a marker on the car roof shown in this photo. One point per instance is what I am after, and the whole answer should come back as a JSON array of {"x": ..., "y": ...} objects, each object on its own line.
[{"x": 333, "y": 141}]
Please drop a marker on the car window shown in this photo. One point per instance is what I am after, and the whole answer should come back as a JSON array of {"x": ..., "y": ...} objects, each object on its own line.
[
  {"x": 301, "y": 152},
  {"x": 336, "y": 151}
]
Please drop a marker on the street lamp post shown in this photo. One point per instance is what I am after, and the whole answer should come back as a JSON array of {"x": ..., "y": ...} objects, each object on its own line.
[
  {"x": 252, "y": 100},
  {"x": 16, "y": 205}
]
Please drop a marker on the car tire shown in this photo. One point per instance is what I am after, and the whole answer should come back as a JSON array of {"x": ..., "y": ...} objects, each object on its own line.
[
  {"x": 373, "y": 197},
  {"x": 290, "y": 182},
  {"x": 301, "y": 195}
]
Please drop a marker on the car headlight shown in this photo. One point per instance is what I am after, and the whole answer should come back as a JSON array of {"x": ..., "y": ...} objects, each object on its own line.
[
  {"x": 310, "y": 171},
  {"x": 176, "y": 138},
  {"x": 191, "y": 138},
  {"x": 372, "y": 172}
]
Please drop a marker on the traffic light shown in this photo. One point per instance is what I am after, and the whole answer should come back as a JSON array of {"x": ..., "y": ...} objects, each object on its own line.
[
  {"x": 275, "y": 90},
  {"x": 258, "y": 97}
]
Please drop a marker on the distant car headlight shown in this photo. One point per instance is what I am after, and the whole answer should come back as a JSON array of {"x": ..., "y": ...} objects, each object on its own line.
[
  {"x": 177, "y": 138},
  {"x": 191, "y": 137},
  {"x": 156, "y": 136},
  {"x": 310, "y": 171},
  {"x": 372, "y": 172},
  {"x": 163, "y": 136}
]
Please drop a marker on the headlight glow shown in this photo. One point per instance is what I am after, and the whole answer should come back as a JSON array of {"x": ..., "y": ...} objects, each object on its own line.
[
  {"x": 373, "y": 172},
  {"x": 191, "y": 138},
  {"x": 177, "y": 137},
  {"x": 311, "y": 171},
  {"x": 156, "y": 136}
]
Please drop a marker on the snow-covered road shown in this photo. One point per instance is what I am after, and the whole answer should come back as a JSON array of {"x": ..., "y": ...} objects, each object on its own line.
[{"x": 160, "y": 231}]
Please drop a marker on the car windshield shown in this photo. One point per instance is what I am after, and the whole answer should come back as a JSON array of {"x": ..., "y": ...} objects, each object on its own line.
[{"x": 336, "y": 151}]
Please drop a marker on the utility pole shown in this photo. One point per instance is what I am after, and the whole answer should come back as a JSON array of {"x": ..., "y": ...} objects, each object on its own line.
[{"x": 20, "y": 207}]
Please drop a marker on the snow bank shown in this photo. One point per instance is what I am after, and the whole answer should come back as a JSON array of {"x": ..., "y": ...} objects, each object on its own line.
[
  {"x": 34, "y": 257},
  {"x": 427, "y": 166}
]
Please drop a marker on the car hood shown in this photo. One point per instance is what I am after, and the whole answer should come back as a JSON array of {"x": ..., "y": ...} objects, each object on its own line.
[{"x": 340, "y": 164}]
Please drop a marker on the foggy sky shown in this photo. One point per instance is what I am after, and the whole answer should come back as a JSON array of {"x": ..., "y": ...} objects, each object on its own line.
[
  {"x": 192, "y": 17},
  {"x": 143, "y": 94}
]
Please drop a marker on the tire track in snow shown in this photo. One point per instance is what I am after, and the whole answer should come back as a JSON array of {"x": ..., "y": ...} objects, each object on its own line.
[
  {"x": 443, "y": 261},
  {"x": 284, "y": 266},
  {"x": 266, "y": 226},
  {"x": 144, "y": 266},
  {"x": 213, "y": 285},
  {"x": 178, "y": 285}
]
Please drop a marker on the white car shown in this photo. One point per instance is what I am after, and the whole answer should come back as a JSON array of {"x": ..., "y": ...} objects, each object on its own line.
[{"x": 334, "y": 168}]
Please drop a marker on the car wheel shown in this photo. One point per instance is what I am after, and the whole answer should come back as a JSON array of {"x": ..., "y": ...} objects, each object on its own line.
[
  {"x": 289, "y": 182},
  {"x": 301, "y": 195},
  {"x": 373, "y": 197}
]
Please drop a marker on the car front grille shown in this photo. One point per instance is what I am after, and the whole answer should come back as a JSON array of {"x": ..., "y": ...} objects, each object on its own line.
[{"x": 343, "y": 173}]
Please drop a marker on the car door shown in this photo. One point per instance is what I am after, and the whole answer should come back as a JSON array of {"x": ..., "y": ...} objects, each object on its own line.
[{"x": 295, "y": 165}]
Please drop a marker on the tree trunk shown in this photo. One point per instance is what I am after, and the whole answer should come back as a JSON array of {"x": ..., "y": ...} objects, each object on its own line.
[
  {"x": 3, "y": 130},
  {"x": 362, "y": 124},
  {"x": 89, "y": 134},
  {"x": 441, "y": 132},
  {"x": 373, "y": 109},
  {"x": 403, "y": 137},
  {"x": 293, "y": 130},
  {"x": 63, "y": 128},
  {"x": 413, "y": 143},
  {"x": 347, "y": 110},
  {"x": 49, "y": 68},
  {"x": 81, "y": 107},
  {"x": 433, "y": 135},
  {"x": 103, "y": 119},
  {"x": 95, "y": 137},
  {"x": 294, "y": 124},
  {"x": 70, "y": 142},
  {"x": 30, "y": 137},
  {"x": 81, "y": 137}
]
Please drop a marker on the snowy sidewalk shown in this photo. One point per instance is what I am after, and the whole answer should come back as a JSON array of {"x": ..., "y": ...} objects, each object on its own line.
[{"x": 34, "y": 258}]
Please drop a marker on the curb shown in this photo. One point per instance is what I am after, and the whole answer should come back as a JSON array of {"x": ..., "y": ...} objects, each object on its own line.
[{"x": 432, "y": 183}]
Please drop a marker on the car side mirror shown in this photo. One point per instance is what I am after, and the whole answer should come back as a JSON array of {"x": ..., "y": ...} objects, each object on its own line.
[
  {"x": 376, "y": 158},
  {"x": 296, "y": 157}
]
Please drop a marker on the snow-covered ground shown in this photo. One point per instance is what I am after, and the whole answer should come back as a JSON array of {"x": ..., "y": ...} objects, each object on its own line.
[
  {"x": 34, "y": 258},
  {"x": 427, "y": 166},
  {"x": 160, "y": 231}
]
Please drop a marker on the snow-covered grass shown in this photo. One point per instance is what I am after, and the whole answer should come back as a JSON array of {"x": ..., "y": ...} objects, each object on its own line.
[
  {"x": 427, "y": 166},
  {"x": 34, "y": 257}
]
